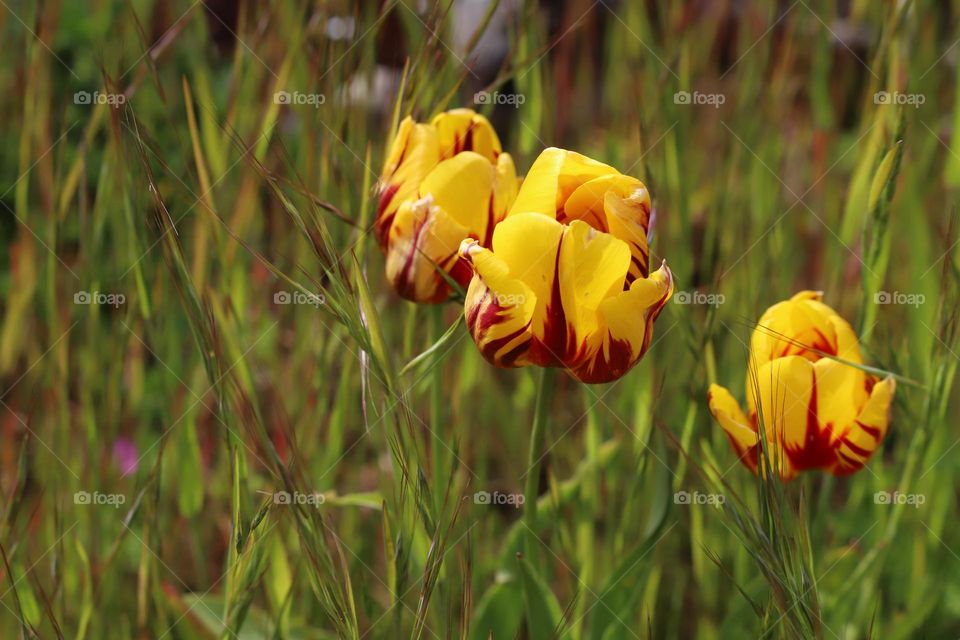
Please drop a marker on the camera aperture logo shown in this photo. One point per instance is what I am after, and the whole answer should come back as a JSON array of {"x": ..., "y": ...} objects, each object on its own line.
[
  {"x": 514, "y": 500},
  {"x": 299, "y": 97},
  {"x": 96, "y": 498},
  {"x": 99, "y": 298}
]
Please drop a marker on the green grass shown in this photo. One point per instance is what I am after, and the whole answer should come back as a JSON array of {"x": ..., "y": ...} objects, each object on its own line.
[{"x": 199, "y": 199}]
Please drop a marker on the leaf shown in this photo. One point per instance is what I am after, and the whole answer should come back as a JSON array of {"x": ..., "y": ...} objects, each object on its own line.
[
  {"x": 278, "y": 580},
  {"x": 432, "y": 356},
  {"x": 544, "y": 613},
  {"x": 189, "y": 471},
  {"x": 204, "y": 609},
  {"x": 500, "y": 611}
]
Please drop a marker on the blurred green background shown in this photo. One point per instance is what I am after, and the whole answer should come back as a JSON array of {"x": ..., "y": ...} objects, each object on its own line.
[{"x": 215, "y": 420}]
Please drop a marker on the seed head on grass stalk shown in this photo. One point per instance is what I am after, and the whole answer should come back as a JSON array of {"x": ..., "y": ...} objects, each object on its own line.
[
  {"x": 813, "y": 405},
  {"x": 232, "y": 395},
  {"x": 775, "y": 537},
  {"x": 352, "y": 308}
]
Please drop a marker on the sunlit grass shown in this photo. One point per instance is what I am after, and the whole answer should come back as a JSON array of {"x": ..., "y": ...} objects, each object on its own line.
[{"x": 252, "y": 348}]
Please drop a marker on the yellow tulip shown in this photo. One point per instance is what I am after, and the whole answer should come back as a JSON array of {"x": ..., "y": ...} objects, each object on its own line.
[
  {"x": 442, "y": 182},
  {"x": 566, "y": 282},
  {"x": 818, "y": 411}
]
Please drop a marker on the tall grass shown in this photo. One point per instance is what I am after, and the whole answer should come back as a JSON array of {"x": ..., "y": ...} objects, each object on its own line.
[{"x": 239, "y": 337}]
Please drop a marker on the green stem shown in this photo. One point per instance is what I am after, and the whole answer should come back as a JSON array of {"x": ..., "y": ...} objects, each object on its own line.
[
  {"x": 537, "y": 432},
  {"x": 590, "y": 499},
  {"x": 439, "y": 447}
]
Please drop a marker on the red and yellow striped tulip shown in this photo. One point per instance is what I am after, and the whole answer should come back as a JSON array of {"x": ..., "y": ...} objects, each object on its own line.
[
  {"x": 566, "y": 281},
  {"x": 442, "y": 182},
  {"x": 818, "y": 410}
]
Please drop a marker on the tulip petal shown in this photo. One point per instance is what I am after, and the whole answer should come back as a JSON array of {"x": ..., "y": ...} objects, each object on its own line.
[
  {"x": 577, "y": 169},
  {"x": 555, "y": 174},
  {"x": 462, "y": 186},
  {"x": 848, "y": 345},
  {"x": 539, "y": 190},
  {"x": 743, "y": 436},
  {"x": 619, "y": 205},
  {"x": 628, "y": 218},
  {"x": 841, "y": 392},
  {"x": 413, "y": 155},
  {"x": 498, "y": 307},
  {"x": 399, "y": 146},
  {"x": 867, "y": 431},
  {"x": 465, "y": 130},
  {"x": 784, "y": 388},
  {"x": 740, "y": 431},
  {"x": 800, "y": 326},
  {"x": 505, "y": 189},
  {"x": 791, "y": 398},
  {"x": 423, "y": 240},
  {"x": 593, "y": 266},
  {"x": 624, "y": 329},
  {"x": 529, "y": 245}
]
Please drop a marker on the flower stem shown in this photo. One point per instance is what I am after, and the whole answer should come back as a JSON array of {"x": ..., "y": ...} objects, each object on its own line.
[
  {"x": 536, "y": 455},
  {"x": 438, "y": 446}
]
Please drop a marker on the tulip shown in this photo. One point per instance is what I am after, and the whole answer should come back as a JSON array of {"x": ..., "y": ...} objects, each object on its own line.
[
  {"x": 442, "y": 182},
  {"x": 819, "y": 408},
  {"x": 565, "y": 282}
]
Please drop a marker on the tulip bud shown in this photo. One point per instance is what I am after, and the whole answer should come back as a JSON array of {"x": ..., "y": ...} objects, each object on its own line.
[
  {"x": 442, "y": 182},
  {"x": 818, "y": 409}
]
